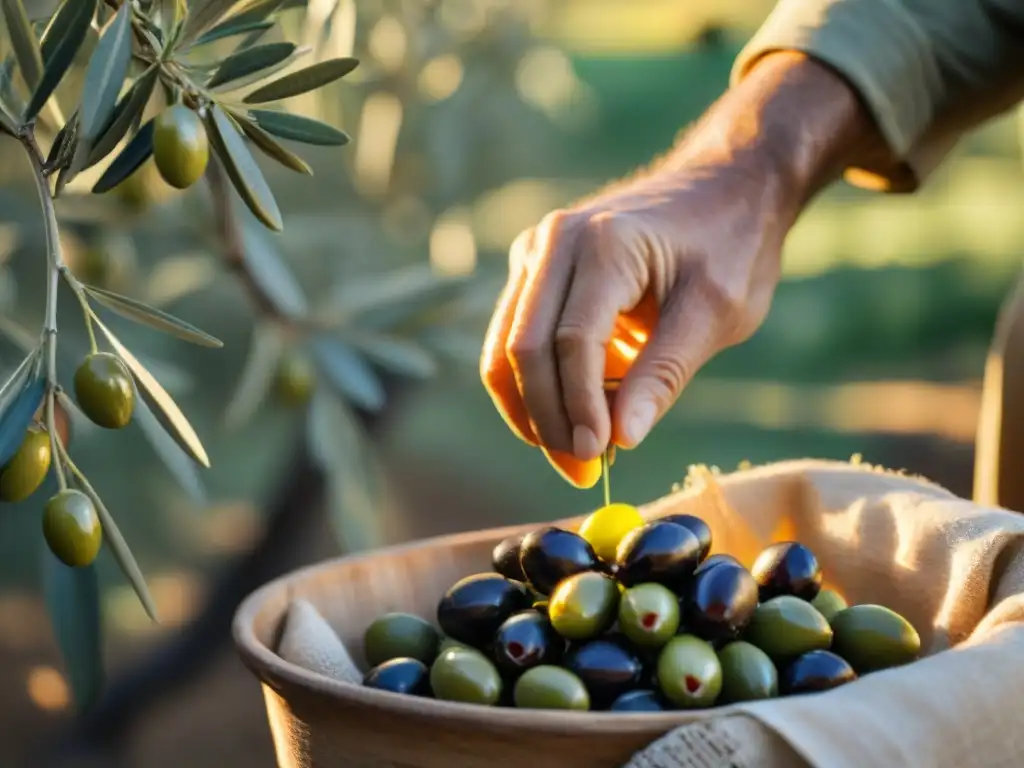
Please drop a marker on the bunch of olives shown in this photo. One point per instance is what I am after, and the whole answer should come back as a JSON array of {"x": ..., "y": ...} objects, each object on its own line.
[{"x": 627, "y": 615}]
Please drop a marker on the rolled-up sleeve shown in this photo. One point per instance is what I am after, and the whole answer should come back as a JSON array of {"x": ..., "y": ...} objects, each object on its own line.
[{"x": 928, "y": 70}]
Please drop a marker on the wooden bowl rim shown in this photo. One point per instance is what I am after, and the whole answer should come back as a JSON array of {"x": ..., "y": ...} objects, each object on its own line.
[{"x": 275, "y": 671}]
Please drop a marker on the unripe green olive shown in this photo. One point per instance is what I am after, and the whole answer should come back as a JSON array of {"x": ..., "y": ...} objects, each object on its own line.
[
  {"x": 22, "y": 475},
  {"x": 294, "y": 380},
  {"x": 72, "y": 528},
  {"x": 180, "y": 146},
  {"x": 104, "y": 390}
]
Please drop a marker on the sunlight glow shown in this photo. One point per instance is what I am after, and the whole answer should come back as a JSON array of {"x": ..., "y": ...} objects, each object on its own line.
[
  {"x": 47, "y": 689},
  {"x": 452, "y": 244},
  {"x": 441, "y": 77}
]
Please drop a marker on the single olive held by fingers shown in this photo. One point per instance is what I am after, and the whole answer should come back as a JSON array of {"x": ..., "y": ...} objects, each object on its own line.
[
  {"x": 105, "y": 391},
  {"x": 72, "y": 528},
  {"x": 25, "y": 471},
  {"x": 474, "y": 607},
  {"x": 551, "y": 554},
  {"x": 181, "y": 149},
  {"x": 604, "y": 528},
  {"x": 787, "y": 568}
]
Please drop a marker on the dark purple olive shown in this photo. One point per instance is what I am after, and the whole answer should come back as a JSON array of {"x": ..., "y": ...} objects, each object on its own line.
[
  {"x": 665, "y": 553},
  {"x": 474, "y": 607},
  {"x": 551, "y": 554},
  {"x": 526, "y": 640},
  {"x": 721, "y": 601},
  {"x": 607, "y": 668},
  {"x": 696, "y": 526},
  {"x": 402, "y": 675},
  {"x": 815, "y": 671},
  {"x": 505, "y": 558},
  {"x": 787, "y": 568},
  {"x": 637, "y": 701},
  {"x": 714, "y": 560}
]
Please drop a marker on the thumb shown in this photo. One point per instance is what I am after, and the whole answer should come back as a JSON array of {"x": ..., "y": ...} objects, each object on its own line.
[{"x": 688, "y": 334}]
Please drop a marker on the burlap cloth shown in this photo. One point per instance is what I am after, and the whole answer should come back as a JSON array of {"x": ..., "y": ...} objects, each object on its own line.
[{"x": 953, "y": 568}]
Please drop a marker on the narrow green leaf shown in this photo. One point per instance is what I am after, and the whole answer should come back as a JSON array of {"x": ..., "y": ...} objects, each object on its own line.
[
  {"x": 401, "y": 356},
  {"x": 299, "y": 128},
  {"x": 119, "y": 549},
  {"x": 19, "y": 406},
  {"x": 125, "y": 164},
  {"x": 178, "y": 463},
  {"x": 9, "y": 98},
  {"x": 348, "y": 372},
  {"x": 205, "y": 13},
  {"x": 59, "y": 145},
  {"x": 357, "y": 488},
  {"x": 171, "y": 13},
  {"x": 130, "y": 108},
  {"x": 272, "y": 149},
  {"x": 304, "y": 80},
  {"x": 174, "y": 420},
  {"x": 73, "y": 603},
  {"x": 269, "y": 270},
  {"x": 69, "y": 28},
  {"x": 263, "y": 74},
  {"x": 242, "y": 169},
  {"x": 23, "y": 41},
  {"x": 154, "y": 318},
  {"x": 265, "y": 348},
  {"x": 105, "y": 76},
  {"x": 409, "y": 288},
  {"x": 232, "y": 28},
  {"x": 250, "y": 61}
]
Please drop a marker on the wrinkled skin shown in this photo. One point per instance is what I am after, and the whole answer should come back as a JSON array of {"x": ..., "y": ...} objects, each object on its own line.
[{"x": 650, "y": 279}]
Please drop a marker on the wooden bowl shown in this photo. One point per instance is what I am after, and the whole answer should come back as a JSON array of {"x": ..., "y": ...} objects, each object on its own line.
[{"x": 316, "y": 721}]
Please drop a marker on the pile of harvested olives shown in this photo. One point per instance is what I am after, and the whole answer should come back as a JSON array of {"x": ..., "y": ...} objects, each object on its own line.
[{"x": 629, "y": 615}]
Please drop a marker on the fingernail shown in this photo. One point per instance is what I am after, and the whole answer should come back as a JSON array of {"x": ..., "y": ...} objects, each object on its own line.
[
  {"x": 584, "y": 443},
  {"x": 640, "y": 421}
]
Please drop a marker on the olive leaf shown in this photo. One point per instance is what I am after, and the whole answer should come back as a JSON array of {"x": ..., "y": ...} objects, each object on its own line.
[
  {"x": 23, "y": 41},
  {"x": 262, "y": 74},
  {"x": 178, "y": 463},
  {"x": 9, "y": 98},
  {"x": 129, "y": 109},
  {"x": 356, "y": 487},
  {"x": 73, "y": 603},
  {"x": 265, "y": 348},
  {"x": 119, "y": 548},
  {"x": 308, "y": 79},
  {"x": 232, "y": 28},
  {"x": 398, "y": 292},
  {"x": 205, "y": 14},
  {"x": 154, "y": 318},
  {"x": 242, "y": 169},
  {"x": 59, "y": 146},
  {"x": 171, "y": 13},
  {"x": 272, "y": 149},
  {"x": 108, "y": 67},
  {"x": 298, "y": 128},
  {"x": 125, "y": 164},
  {"x": 269, "y": 270},
  {"x": 64, "y": 37},
  {"x": 173, "y": 419},
  {"x": 348, "y": 372},
  {"x": 249, "y": 61},
  {"x": 19, "y": 401},
  {"x": 401, "y": 356}
]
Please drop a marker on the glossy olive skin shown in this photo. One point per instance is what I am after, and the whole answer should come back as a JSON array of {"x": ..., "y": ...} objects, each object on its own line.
[
  {"x": 649, "y": 615},
  {"x": 605, "y": 527},
  {"x": 474, "y": 607},
  {"x": 829, "y": 603},
  {"x": 659, "y": 552},
  {"x": 873, "y": 637},
  {"x": 26, "y": 470},
  {"x": 720, "y": 602},
  {"x": 638, "y": 701},
  {"x": 549, "y": 687},
  {"x": 400, "y": 635},
  {"x": 787, "y": 568},
  {"x": 551, "y": 554},
  {"x": 72, "y": 528},
  {"x": 505, "y": 558},
  {"x": 466, "y": 675},
  {"x": 715, "y": 560},
  {"x": 748, "y": 674},
  {"x": 697, "y": 527},
  {"x": 105, "y": 391},
  {"x": 526, "y": 640},
  {"x": 786, "y": 626},
  {"x": 400, "y": 675},
  {"x": 607, "y": 668},
  {"x": 181, "y": 149},
  {"x": 584, "y": 605},
  {"x": 294, "y": 380},
  {"x": 816, "y": 671},
  {"x": 689, "y": 672}
]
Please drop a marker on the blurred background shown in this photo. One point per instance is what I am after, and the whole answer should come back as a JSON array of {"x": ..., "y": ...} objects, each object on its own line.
[{"x": 470, "y": 119}]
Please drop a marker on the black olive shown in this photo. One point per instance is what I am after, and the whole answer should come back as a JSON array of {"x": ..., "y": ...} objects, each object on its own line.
[
  {"x": 551, "y": 554},
  {"x": 696, "y": 526},
  {"x": 505, "y": 558},
  {"x": 721, "y": 602},
  {"x": 787, "y": 568},
  {"x": 638, "y": 701},
  {"x": 665, "y": 553},
  {"x": 714, "y": 560},
  {"x": 401, "y": 675},
  {"x": 474, "y": 607},
  {"x": 815, "y": 671},
  {"x": 526, "y": 640},
  {"x": 607, "y": 668}
]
